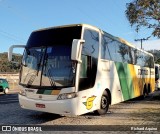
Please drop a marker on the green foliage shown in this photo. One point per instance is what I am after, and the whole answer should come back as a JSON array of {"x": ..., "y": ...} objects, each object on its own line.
[
  {"x": 6, "y": 66},
  {"x": 144, "y": 13}
]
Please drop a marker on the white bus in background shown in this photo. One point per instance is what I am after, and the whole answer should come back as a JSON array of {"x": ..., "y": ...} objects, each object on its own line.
[
  {"x": 76, "y": 69},
  {"x": 157, "y": 76}
]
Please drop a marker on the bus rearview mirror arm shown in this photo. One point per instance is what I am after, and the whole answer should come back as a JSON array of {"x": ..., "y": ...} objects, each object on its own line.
[
  {"x": 77, "y": 49},
  {"x": 10, "y": 51}
]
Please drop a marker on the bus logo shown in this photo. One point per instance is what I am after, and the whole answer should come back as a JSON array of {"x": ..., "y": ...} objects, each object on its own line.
[{"x": 89, "y": 102}]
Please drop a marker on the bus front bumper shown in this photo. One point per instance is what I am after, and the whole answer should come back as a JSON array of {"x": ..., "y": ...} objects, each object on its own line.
[{"x": 62, "y": 107}]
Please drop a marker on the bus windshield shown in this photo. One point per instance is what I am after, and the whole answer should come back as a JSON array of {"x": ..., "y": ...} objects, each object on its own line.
[{"x": 47, "y": 59}]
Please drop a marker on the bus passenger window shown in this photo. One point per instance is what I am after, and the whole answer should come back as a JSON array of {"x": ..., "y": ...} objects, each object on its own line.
[
  {"x": 83, "y": 71},
  {"x": 105, "y": 54},
  {"x": 89, "y": 58}
]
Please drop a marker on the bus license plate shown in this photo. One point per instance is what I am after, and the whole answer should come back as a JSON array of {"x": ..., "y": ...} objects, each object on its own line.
[{"x": 40, "y": 105}]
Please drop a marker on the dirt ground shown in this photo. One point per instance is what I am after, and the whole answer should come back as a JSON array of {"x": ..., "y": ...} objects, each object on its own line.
[
  {"x": 126, "y": 117},
  {"x": 134, "y": 112}
]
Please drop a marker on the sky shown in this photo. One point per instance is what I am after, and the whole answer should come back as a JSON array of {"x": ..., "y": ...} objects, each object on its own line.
[{"x": 19, "y": 18}]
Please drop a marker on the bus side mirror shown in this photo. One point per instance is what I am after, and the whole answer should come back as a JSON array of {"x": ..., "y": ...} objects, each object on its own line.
[
  {"x": 10, "y": 52},
  {"x": 77, "y": 49}
]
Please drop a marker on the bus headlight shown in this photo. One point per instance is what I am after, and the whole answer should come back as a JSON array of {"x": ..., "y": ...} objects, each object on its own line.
[
  {"x": 22, "y": 92},
  {"x": 66, "y": 96}
]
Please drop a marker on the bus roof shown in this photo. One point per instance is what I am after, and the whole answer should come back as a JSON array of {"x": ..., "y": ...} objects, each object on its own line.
[{"x": 71, "y": 25}]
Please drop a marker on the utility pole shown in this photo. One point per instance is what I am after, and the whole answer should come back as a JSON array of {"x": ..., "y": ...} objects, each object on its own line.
[{"x": 143, "y": 39}]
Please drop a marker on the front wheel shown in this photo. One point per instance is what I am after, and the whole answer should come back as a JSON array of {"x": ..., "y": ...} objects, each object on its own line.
[
  {"x": 6, "y": 90},
  {"x": 104, "y": 104}
]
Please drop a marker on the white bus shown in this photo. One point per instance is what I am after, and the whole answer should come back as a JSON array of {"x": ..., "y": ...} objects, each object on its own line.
[
  {"x": 76, "y": 69},
  {"x": 157, "y": 76}
]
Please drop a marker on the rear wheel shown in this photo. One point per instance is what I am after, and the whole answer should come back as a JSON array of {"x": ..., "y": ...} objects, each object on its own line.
[
  {"x": 104, "y": 104},
  {"x": 145, "y": 91},
  {"x": 149, "y": 88},
  {"x": 6, "y": 90}
]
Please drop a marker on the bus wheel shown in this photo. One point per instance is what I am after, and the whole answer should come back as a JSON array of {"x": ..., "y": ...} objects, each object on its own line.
[
  {"x": 104, "y": 104},
  {"x": 149, "y": 88},
  {"x": 145, "y": 91}
]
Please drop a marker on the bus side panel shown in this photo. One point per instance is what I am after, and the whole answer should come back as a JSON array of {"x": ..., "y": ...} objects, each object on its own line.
[
  {"x": 86, "y": 101},
  {"x": 115, "y": 87},
  {"x": 152, "y": 80},
  {"x": 137, "y": 82},
  {"x": 132, "y": 81},
  {"x": 108, "y": 79}
]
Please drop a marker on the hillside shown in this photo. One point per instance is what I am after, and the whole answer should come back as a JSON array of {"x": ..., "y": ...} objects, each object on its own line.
[{"x": 6, "y": 66}]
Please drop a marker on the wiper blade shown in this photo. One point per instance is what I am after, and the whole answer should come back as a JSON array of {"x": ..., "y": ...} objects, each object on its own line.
[
  {"x": 47, "y": 69},
  {"x": 51, "y": 79},
  {"x": 31, "y": 80},
  {"x": 39, "y": 64}
]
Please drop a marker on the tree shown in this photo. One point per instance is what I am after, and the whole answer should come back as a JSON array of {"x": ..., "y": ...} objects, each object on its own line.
[
  {"x": 6, "y": 66},
  {"x": 144, "y": 13}
]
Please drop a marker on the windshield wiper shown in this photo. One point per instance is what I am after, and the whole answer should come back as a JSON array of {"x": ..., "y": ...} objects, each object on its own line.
[
  {"x": 39, "y": 64},
  {"x": 33, "y": 73},
  {"x": 52, "y": 81},
  {"x": 47, "y": 70},
  {"x": 31, "y": 79}
]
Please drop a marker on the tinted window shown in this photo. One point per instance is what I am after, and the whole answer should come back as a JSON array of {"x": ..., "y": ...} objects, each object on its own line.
[
  {"x": 151, "y": 62},
  {"x": 91, "y": 44},
  {"x": 156, "y": 70},
  {"x": 115, "y": 50},
  {"x": 143, "y": 59},
  {"x": 54, "y": 36},
  {"x": 89, "y": 58},
  {"x": 105, "y": 53},
  {"x": 131, "y": 55},
  {"x": 122, "y": 52},
  {"x": 140, "y": 60},
  {"x": 112, "y": 48}
]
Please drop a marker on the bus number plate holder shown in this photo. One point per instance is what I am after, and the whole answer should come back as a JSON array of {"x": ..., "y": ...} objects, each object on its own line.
[{"x": 40, "y": 105}]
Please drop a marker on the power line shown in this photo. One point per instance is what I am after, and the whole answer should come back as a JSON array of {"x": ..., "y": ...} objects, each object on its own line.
[
  {"x": 14, "y": 11},
  {"x": 11, "y": 36},
  {"x": 19, "y": 13},
  {"x": 83, "y": 12}
]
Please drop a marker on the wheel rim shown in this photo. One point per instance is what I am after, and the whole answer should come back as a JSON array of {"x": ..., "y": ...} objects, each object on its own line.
[{"x": 104, "y": 102}]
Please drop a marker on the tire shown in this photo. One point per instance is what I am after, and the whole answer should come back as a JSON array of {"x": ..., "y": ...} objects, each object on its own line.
[
  {"x": 145, "y": 91},
  {"x": 149, "y": 88},
  {"x": 6, "y": 90},
  {"x": 104, "y": 104}
]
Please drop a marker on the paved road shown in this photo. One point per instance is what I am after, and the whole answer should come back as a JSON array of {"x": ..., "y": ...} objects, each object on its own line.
[{"x": 8, "y": 98}]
